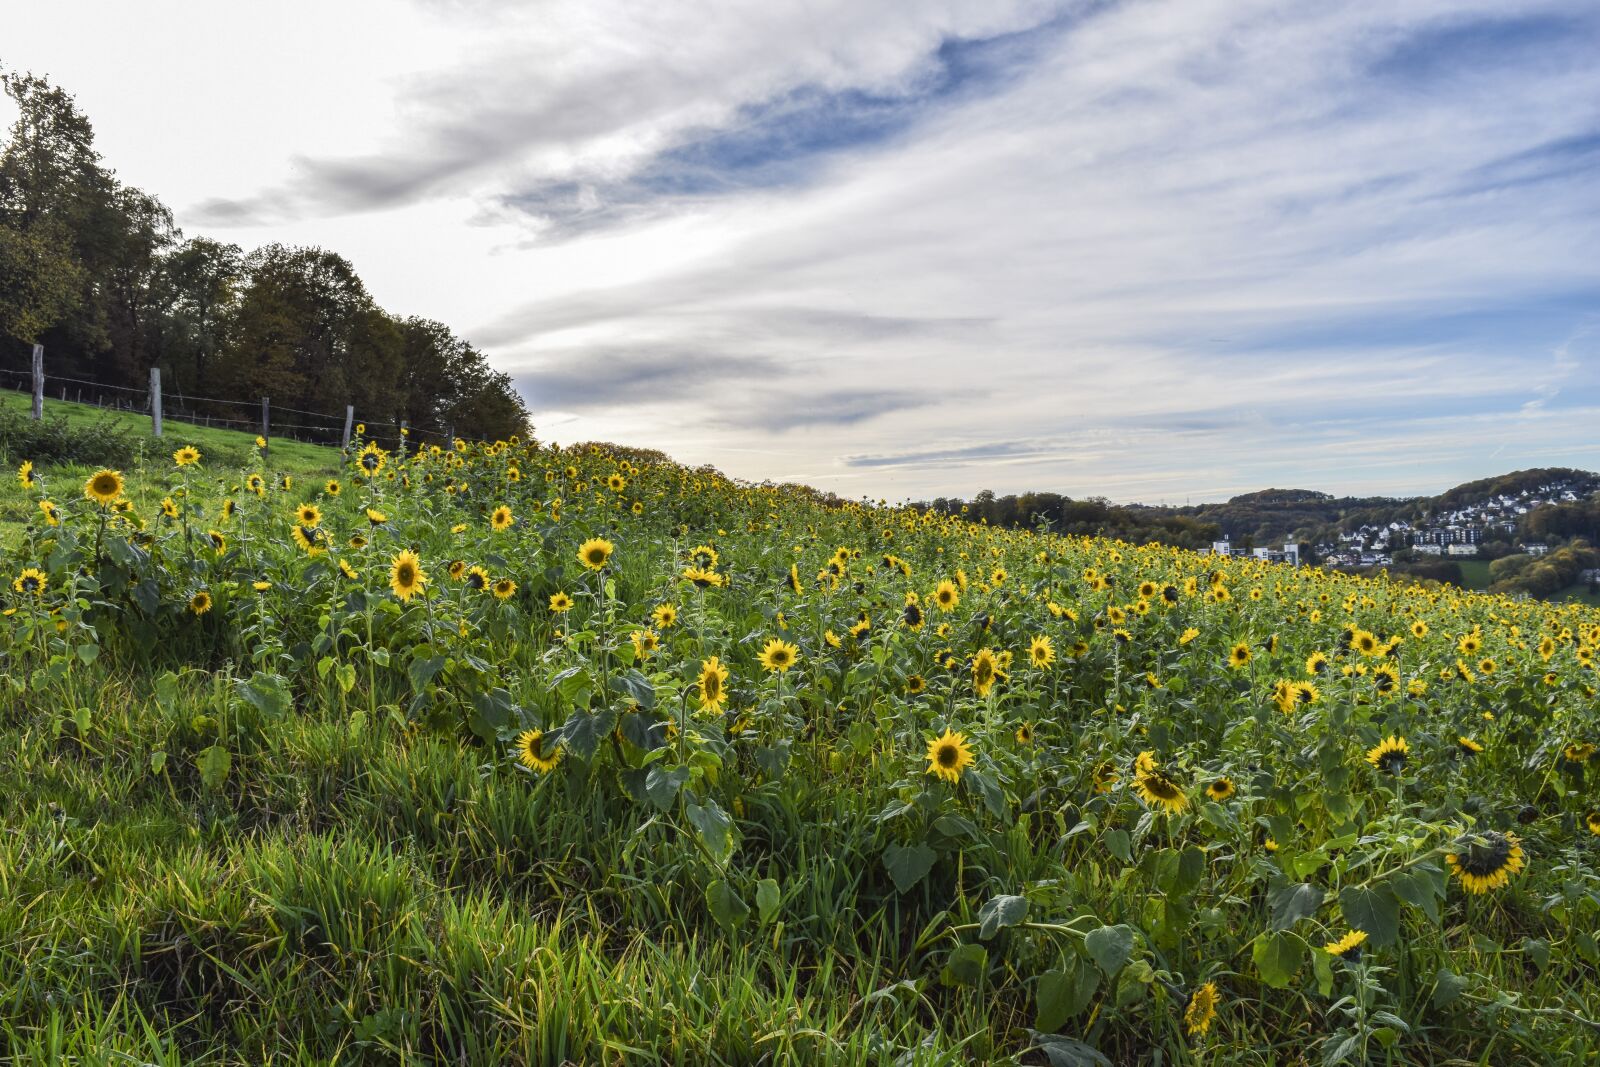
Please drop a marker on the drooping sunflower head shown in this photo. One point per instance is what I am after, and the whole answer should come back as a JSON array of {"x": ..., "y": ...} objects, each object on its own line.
[
  {"x": 219, "y": 543},
  {"x": 1385, "y": 678},
  {"x": 1024, "y": 734},
  {"x": 595, "y": 552},
  {"x": 1347, "y": 947},
  {"x": 25, "y": 474},
  {"x": 1469, "y": 746},
  {"x": 534, "y": 754},
  {"x": 406, "y": 576},
  {"x": 477, "y": 579},
  {"x": 1201, "y": 1009},
  {"x": 187, "y": 456},
  {"x": 1159, "y": 791},
  {"x": 949, "y": 756},
  {"x": 1592, "y": 821},
  {"x": 103, "y": 487},
  {"x": 52, "y": 516},
  {"x": 169, "y": 507},
  {"x": 1390, "y": 754},
  {"x": 1485, "y": 859},
  {"x": 778, "y": 655}
]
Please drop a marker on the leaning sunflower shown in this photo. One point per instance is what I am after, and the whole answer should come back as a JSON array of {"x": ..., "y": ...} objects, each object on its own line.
[
  {"x": 1485, "y": 860},
  {"x": 532, "y": 753},
  {"x": 1220, "y": 789},
  {"x": 985, "y": 670},
  {"x": 949, "y": 756},
  {"x": 1159, "y": 791},
  {"x": 1390, "y": 755},
  {"x": 406, "y": 576},
  {"x": 31, "y": 582},
  {"x": 1041, "y": 652},
  {"x": 1347, "y": 947}
]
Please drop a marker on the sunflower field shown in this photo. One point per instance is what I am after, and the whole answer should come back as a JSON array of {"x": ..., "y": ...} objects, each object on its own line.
[{"x": 508, "y": 753}]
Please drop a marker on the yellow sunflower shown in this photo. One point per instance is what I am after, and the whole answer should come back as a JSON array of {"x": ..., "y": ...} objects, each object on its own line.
[
  {"x": 595, "y": 552},
  {"x": 1041, "y": 652},
  {"x": 985, "y": 671},
  {"x": 187, "y": 456},
  {"x": 31, "y": 582},
  {"x": 200, "y": 603},
  {"x": 778, "y": 656},
  {"x": 104, "y": 487},
  {"x": 406, "y": 576},
  {"x": 504, "y": 589},
  {"x": 560, "y": 602},
  {"x": 713, "y": 685},
  {"x": 1347, "y": 947},
  {"x": 500, "y": 519},
  {"x": 949, "y": 756},
  {"x": 1390, "y": 755},
  {"x": 532, "y": 753},
  {"x": 1485, "y": 860},
  {"x": 1201, "y": 1009}
]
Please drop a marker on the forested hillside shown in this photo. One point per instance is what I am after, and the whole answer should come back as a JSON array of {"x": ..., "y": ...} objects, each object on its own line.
[{"x": 97, "y": 272}]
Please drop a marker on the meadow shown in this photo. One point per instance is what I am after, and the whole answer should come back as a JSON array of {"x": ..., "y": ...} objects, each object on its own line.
[{"x": 520, "y": 754}]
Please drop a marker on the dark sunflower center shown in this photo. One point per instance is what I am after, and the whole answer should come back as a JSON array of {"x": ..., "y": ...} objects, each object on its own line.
[
  {"x": 1160, "y": 787},
  {"x": 406, "y": 574},
  {"x": 1486, "y": 857},
  {"x": 947, "y": 755}
]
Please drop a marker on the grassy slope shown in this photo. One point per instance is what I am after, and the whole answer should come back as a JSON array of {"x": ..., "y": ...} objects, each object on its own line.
[
  {"x": 223, "y": 448},
  {"x": 357, "y": 886}
]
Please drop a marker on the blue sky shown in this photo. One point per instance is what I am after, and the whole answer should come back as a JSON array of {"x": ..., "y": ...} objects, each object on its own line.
[{"x": 1165, "y": 250}]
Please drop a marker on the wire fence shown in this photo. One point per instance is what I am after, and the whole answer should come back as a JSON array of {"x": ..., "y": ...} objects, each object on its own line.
[{"x": 260, "y": 416}]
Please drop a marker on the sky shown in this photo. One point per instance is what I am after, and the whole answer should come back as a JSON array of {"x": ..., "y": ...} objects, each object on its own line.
[{"x": 1159, "y": 251}]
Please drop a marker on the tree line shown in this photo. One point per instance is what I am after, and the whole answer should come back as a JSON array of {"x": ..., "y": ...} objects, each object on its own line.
[{"x": 96, "y": 271}]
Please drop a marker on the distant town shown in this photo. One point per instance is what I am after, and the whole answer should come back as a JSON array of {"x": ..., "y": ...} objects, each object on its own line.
[{"x": 1454, "y": 532}]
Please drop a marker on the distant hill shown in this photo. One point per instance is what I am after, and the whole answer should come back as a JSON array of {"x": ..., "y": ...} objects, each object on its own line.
[{"x": 1554, "y": 504}]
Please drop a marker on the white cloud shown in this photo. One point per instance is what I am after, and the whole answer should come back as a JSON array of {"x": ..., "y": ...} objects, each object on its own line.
[{"x": 1187, "y": 247}]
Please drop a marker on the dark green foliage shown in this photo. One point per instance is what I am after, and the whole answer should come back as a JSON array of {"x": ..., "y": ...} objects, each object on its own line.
[{"x": 96, "y": 271}]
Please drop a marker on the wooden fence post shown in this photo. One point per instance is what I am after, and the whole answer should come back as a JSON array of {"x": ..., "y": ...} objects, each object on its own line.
[
  {"x": 38, "y": 383},
  {"x": 155, "y": 401},
  {"x": 266, "y": 425},
  {"x": 349, "y": 420}
]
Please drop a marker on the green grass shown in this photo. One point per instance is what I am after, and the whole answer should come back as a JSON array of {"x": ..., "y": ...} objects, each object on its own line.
[
  {"x": 147, "y": 459},
  {"x": 1474, "y": 573}
]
